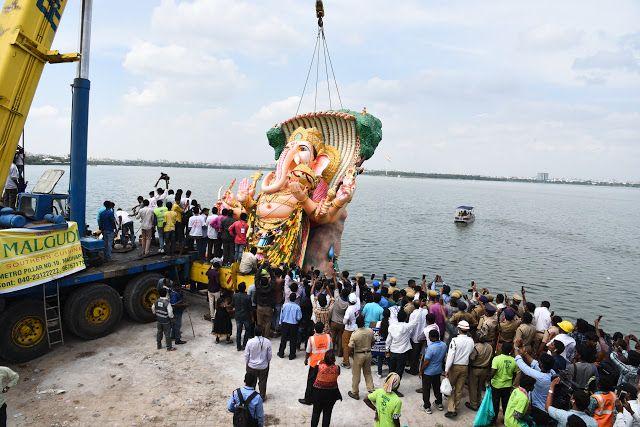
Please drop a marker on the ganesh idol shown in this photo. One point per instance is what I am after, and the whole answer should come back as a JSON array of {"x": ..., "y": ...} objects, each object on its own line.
[{"x": 298, "y": 215}]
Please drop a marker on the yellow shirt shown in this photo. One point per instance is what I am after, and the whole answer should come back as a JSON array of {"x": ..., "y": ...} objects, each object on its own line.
[
  {"x": 178, "y": 210},
  {"x": 170, "y": 219}
]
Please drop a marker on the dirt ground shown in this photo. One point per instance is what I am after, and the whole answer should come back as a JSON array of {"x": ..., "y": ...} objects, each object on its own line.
[{"x": 122, "y": 379}]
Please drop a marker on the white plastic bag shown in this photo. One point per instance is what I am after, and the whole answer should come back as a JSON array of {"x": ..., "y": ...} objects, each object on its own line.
[{"x": 445, "y": 387}]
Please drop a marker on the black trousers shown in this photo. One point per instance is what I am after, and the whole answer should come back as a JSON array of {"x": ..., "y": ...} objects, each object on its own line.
[
  {"x": 290, "y": 334},
  {"x": 397, "y": 362},
  {"x": 500, "y": 395},
  {"x": 214, "y": 248},
  {"x": 428, "y": 382},
  {"x": 228, "y": 251},
  {"x": 263, "y": 376},
  {"x": 3, "y": 415},
  {"x": 414, "y": 357},
  {"x": 311, "y": 378},
  {"x": 324, "y": 408}
]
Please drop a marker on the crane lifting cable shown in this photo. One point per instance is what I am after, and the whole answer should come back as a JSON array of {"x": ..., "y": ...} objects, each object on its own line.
[{"x": 321, "y": 54}]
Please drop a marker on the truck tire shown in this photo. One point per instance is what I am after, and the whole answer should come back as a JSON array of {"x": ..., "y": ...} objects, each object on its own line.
[
  {"x": 67, "y": 313},
  {"x": 23, "y": 332},
  {"x": 93, "y": 311},
  {"x": 139, "y": 296}
]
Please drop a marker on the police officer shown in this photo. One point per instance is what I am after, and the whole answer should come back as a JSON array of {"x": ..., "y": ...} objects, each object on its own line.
[{"x": 164, "y": 313}]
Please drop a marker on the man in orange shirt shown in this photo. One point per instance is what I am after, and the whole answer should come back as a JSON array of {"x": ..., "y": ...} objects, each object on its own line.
[{"x": 317, "y": 346}]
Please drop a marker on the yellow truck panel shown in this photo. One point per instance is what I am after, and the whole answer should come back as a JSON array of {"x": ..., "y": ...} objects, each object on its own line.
[
  {"x": 27, "y": 29},
  {"x": 229, "y": 276}
]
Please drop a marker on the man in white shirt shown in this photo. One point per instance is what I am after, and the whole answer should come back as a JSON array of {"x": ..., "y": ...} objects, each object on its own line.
[
  {"x": 456, "y": 367},
  {"x": 249, "y": 262},
  {"x": 628, "y": 408},
  {"x": 541, "y": 321},
  {"x": 431, "y": 324},
  {"x": 196, "y": 225},
  {"x": 419, "y": 317},
  {"x": 399, "y": 343},
  {"x": 146, "y": 216},
  {"x": 11, "y": 187},
  {"x": 350, "y": 315},
  {"x": 126, "y": 227},
  {"x": 257, "y": 356},
  {"x": 213, "y": 242}
]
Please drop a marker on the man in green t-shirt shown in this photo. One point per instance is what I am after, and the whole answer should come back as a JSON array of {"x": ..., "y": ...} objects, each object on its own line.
[
  {"x": 160, "y": 212},
  {"x": 518, "y": 405},
  {"x": 386, "y": 402},
  {"x": 503, "y": 371}
]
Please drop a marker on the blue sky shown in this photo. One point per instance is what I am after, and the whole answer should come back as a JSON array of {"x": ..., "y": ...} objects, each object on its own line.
[{"x": 496, "y": 87}]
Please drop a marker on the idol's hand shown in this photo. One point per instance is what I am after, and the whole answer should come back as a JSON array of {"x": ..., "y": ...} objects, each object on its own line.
[
  {"x": 245, "y": 191},
  {"x": 298, "y": 191}
]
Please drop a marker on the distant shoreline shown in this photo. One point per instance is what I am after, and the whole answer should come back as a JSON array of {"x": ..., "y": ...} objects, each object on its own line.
[{"x": 57, "y": 160}]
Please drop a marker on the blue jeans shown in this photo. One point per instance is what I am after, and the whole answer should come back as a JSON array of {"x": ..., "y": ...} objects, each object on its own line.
[
  {"x": 238, "y": 253},
  {"x": 176, "y": 325},
  {"x": 107, "y": 236},
  {"x": 381, "y": 360},
  {"x": 248, "y": 327}
]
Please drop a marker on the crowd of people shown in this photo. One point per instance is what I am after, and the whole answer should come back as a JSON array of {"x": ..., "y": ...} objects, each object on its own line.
[
  {"x": 178, "y": 223},
  {"x": 519, "y": 363}
]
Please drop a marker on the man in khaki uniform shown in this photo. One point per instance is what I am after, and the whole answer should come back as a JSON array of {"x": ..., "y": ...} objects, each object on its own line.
[
  {"x": 478, "y": 310},
  {"x": 488, "y": 324},
  {"x": 360, "y": 344},
  {"x": 526, "y": 332},
  {"x": 508, "y": 326},
  {"x": 479, "y": 371},
  {"x": 463, "y": 314}
]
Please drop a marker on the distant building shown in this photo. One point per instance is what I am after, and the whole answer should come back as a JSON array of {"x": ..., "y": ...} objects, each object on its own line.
[{"x": 542, "y": 176}]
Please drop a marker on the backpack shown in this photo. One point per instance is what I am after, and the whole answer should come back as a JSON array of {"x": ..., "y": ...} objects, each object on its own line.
[{"x": 241, "y": 414}]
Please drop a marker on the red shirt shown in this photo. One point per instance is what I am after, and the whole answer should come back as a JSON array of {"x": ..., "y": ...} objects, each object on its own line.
[{"x": 239, "y": 231}]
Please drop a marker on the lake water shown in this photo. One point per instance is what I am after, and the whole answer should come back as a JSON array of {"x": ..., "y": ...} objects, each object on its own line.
[{"x": 577, "y": 246}]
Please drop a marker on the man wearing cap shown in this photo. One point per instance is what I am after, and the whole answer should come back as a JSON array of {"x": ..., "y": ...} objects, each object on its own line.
[
  {"x": 488, "y": 324},
  {"x": 456, "y": 366},
  {"x": 508, "y": 326},
  {"x": 566, "y": 328},
  {"x": 519, "y": 308},
  {"x": 462, "y": 314},
  {"x": 350, "y": 316},
  {"x": 393, "y": 282},
  {"x": 479, "y": 364},
  {"x": 526, "y": 332},
  {"x": 478, "y": 309}
]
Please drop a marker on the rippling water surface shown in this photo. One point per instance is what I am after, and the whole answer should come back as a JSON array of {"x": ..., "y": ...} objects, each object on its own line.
[{"x": 577, "y": 246}]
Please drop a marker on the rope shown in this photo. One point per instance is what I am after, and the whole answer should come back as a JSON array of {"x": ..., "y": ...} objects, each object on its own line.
[
  {"x": 308, "y": 73},
  {"x": 332, "y": 71},
  {"x": 320, "y": 38},
  {"x": 326, "y": 71},
  {"x": 315, "y": 101}
]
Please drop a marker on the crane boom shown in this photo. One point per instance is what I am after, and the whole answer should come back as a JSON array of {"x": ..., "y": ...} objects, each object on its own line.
[{"x": 27, "y": 29}]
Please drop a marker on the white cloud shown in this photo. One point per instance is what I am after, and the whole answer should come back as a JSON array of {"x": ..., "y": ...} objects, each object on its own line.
[
  {"x": 44, "y": 111},
  {"x": 550, "y": 37},
  {"x": 225, "y": 26}
]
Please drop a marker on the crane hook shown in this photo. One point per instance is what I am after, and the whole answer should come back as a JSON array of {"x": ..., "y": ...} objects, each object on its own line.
[{"x": 319, "y": 12}]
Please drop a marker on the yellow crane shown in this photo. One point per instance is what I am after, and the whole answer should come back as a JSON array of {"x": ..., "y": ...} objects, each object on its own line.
[{"x": 27, "y": 29}]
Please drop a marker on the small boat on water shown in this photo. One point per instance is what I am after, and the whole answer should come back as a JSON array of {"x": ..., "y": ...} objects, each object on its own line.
[{"x": 464, "y": 215}]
